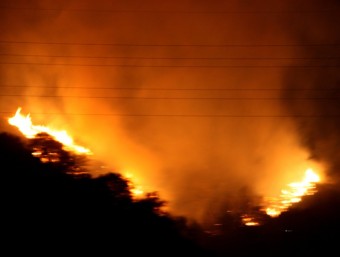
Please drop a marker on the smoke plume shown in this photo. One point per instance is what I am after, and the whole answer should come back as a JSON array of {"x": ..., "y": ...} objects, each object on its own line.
[{"x": 190, "y": 97}]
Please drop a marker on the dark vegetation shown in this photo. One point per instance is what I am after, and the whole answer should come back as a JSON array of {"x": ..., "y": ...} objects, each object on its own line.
[
  {"x": 55, "y": 207},
  {"x": 51, "y": 205},
  {"x": 309, "y": 228}
]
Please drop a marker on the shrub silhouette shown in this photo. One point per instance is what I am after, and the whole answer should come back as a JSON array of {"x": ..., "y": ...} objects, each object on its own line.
[{"x": 48, "y": 208}]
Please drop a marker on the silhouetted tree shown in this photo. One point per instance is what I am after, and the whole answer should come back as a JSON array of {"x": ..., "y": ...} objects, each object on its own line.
[{"x": 48, "y": 209}]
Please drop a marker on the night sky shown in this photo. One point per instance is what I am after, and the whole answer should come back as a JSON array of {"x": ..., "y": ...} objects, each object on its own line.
[{"x": 210, "y": 103}]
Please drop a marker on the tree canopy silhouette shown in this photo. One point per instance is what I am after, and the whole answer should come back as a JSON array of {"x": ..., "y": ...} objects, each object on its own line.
[{"x": 47, "y": 206}]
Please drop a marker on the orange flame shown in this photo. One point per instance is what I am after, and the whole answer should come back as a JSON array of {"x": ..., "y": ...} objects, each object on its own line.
[
  {"x": 293, "y": 194},
  {"x": 248, "y": 220},
  {"x": 135, "y": 188},
  {"x": 24, "y": 124}
]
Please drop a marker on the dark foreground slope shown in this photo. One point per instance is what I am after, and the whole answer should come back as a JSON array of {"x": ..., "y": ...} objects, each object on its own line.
[
  {"x": 55, "y": 207},
  {"x": 48, "y": 209},
  {"x": 310, "y": 228}
]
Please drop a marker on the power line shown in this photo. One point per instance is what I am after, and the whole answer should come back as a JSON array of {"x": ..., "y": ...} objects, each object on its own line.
[
  {"x": 174, "y": 89},
  {"x": 186, "y": 115},
  {"x": 174, "y": 98},
  {"x": 171, "y": 58},
  {"x": 172, "y": 11},
  {"x": 167, "y": 45},
  {"x": 171, "y": 66}
]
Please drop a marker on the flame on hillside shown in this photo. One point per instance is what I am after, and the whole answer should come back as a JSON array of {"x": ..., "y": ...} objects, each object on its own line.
[
  {"x": 249, "y": 220},
  {"x": 293, "y": 194},
  {"x": 135, "y": 188},
  {"x": 273, "y": 206},
  {"x": 24, "y": 124},
  {"x": 26, "y": 127}
]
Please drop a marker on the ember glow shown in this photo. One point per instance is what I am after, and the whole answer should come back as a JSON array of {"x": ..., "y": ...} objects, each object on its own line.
[
  {"x": 249, "y": 220},
  {"x": 293, "y": 194},
  {"x": 274, "y": 206},
  {"x": 135, "y": 187},
  {"x": 24, "y": 124}
]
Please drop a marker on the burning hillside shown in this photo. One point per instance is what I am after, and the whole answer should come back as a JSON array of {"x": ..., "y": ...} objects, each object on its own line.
[
  {"x": 44, "y": 138},
  {"x": 46, "y": 208},
  {"x": 292, "y": 194},
  {"x": 272, "y": 206},
  {"x": 24, "y": 124},
  {"x": 216, "y": 105}
]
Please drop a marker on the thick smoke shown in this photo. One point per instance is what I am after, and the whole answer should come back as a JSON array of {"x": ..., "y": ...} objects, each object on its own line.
[
  {"x": 319, "y": 132},
  {"x": 202, "y": 154}
]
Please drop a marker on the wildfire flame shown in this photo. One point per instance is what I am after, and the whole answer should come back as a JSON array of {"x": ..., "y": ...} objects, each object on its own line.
[
  {"x": 24, "y": 124},
  {"x": 274, "y": 208},
  {"x": 135, "y": 188},
  {"x": 289, "y": 196},
  {"x": 293, "y": 194},
  {"x": 248, "y": 220}
]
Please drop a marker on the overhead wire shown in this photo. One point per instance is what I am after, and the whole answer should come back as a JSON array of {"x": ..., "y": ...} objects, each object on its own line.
[
  {"x": 172, "y": 66},
  {"x": 186, "y": 115},
  {"x": 179, "y": 11},
  {"x": 173, "y": 98},
  {"x": 167, "y": 45},
  {"x": 328, "y": 45},
  {"x": 171, "y": 89},
  {"x": 172, "y": 58}
]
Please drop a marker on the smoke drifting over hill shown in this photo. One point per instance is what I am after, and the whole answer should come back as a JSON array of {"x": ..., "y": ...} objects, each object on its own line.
[{"x": 198, "y": 100}]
